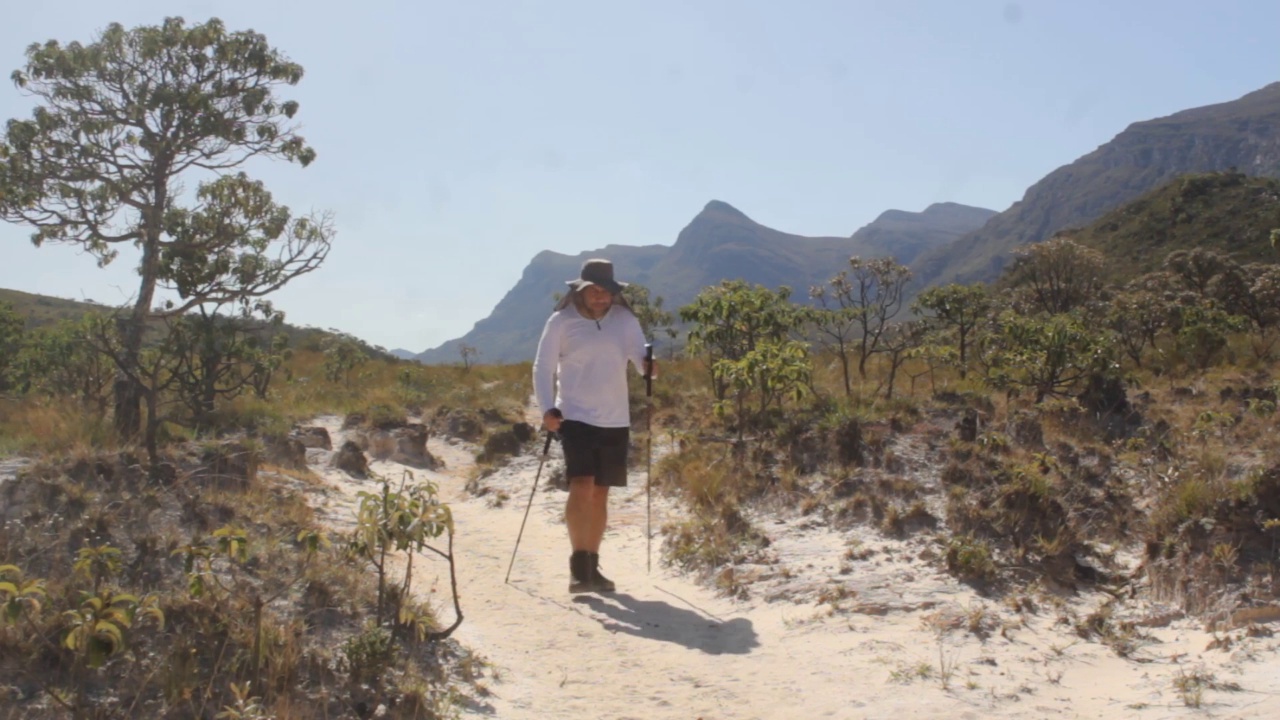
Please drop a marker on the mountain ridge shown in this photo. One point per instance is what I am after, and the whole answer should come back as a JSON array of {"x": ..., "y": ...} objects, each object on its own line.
[
  {"x": 720, "y": 242},
  {"x": 1241, "y": 134}
]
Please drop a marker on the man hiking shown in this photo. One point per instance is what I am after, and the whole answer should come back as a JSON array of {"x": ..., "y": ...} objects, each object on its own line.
[{"x": 580, "y": 382}]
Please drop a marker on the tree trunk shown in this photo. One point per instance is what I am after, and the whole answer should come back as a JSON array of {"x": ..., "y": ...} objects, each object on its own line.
[
  {"x": 129, "y": 390},
  {"x": 844, "y": 366},
  {"x": 894, "y": 362},
  {"x": 208, "y": 389},
  {"x": 153, "y": 426},
  {"x": 864, "y": 350}
]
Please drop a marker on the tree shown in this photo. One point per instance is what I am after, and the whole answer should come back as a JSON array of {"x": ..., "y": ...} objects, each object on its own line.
[
  {"x": 1196, "y": 268},
  {"x": 342, "y": 354},
  {"x": 217, "y": 358},
  {"x": 1056, "y": 276},
  {"x": 62, "y": 361},
  {"x": 957, "y": 307},
  {"x": 468, "y": 354},
  {"x": 1252, "y": 291},
  {"x": 649, "y": 312},
  {"x": 1049, "y": 355},
  {"x": 834, "y": 325},
  {"x": 871, "y": 291},
  {"x": 119, "y": 123},
  {"x": 734, "y": 318},
  {"x": 900, "y": 342},
  {"x": 1201, "y": 331},
  {"x": 1137, "y": 315},
  {"x": 771, "y": 371}
]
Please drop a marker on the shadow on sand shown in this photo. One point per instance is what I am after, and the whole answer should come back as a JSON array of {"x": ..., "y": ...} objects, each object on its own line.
[{"x": 658, "y": 620}]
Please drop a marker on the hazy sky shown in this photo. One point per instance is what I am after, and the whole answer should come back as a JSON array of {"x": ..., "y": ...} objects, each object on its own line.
[{"x": 458, "y": 139}]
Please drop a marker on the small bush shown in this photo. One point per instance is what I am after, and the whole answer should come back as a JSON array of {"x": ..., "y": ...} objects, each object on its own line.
[{"x": 971, "y": 559}]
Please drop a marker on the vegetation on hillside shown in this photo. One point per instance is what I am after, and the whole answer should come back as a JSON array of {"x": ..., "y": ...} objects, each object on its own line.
[
  {"x": 1071, "y": 417},
  {"x": 1228, "y": 212}
]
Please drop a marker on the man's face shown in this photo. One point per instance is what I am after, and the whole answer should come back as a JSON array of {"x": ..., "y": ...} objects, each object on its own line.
[{"x": 598, "y": 299}]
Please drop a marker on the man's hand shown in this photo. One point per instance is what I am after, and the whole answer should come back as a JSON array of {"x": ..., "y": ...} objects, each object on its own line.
[
  {"x": 651, "y": 368},
  {"x": 551, "y": 420}
]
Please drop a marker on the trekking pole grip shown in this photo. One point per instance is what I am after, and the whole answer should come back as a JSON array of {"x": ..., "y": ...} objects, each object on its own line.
[{"x": 648, "y": 369}]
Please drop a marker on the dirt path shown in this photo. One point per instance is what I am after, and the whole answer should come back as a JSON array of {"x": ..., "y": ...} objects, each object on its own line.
[{"x": 897, "y": 640}]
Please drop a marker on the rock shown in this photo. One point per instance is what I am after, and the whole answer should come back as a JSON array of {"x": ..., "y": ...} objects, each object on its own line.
[
  {"x": 230, "y": 466},
  {"x": 1026, "y": 430},
  {"x": 848, "y": 440},
  {"x": 500, "y": 444},
  {"x": 464, "y": 425},
  {"x": 411, "y": 447},
  {"x": 523, "y": 431},
  {"x": 968, "y": 426},
  {"x": 384, "y": 417},
  {"x": 313, "y": 437},
  {"x": 493, "y": 416},
  {"x": 164, "y": 473},
  {"x": 351, "y": 459},
  {"x": 353, "y": 420},
  {"x": 287, "y": 452},
  {"x": 1106, "y": 400}
]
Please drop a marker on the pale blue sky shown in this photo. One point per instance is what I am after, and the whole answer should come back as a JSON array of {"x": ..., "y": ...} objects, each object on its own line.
[{"x": 457, "y": 140}]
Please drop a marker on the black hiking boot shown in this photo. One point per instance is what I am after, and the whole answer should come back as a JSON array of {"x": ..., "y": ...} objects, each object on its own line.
[
  {"x": 580, "y": 572},
  {"x": 600, "y": 582}
]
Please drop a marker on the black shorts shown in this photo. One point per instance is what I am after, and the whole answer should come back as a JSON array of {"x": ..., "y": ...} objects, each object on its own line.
[{"x": 598, "y": 452}]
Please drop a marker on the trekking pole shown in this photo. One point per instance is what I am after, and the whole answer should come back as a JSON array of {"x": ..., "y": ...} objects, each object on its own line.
[
  {"x": 546, "y": 450},
  {"x": 648, "y": 463}
]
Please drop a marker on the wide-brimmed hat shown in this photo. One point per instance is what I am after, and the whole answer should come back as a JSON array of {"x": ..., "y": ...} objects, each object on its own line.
[{"x": 597, "y": 272}]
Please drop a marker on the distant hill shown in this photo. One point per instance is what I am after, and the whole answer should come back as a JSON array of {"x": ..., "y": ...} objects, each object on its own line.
[
  {"x": 720, "y": 243},
  {"x": 1229, "y": 212},
  {"x": 1241, "y": 135},
  {"x": 42, "y": 310}
]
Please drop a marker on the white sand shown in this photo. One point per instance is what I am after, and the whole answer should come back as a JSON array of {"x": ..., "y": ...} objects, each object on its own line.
[{"x": 896, "y": 645}]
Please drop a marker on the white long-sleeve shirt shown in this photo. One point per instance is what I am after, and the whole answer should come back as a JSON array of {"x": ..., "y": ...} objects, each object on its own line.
[{"x": 581, "y": 365}]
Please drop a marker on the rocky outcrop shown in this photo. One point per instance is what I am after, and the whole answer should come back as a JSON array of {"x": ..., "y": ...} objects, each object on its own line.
[
  {"x": 286, "y": 451},
  {"x": 313, "y": 437},
  {"x": 351, "y": 460}
]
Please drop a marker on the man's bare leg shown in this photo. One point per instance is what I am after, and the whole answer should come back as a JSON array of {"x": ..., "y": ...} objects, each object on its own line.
[
  {"x": 586, "y": 515},
  {"x": 599, "y": 515},
  {"x": 578, "y": 511}
]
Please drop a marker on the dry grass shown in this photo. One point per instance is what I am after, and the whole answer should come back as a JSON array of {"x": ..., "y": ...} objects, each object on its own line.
[{"x": 57, "y": 427}]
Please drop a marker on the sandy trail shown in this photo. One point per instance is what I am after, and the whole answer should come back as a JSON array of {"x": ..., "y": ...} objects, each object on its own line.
[{"x": 881, "y": 635}]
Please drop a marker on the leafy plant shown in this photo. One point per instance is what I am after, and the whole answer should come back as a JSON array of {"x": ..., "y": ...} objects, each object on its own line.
[
  {"x": 1055, "y": 276},
  {"x": 19, "y": 597},
  {"x": 863, "y": 299},
  {"x": 342, "y": 355},
  {"x": 731, "y": 320},
  {"x": 402, "y": 521},
  {"x": 960, "y": 309},
  {"x": 96, "y": 629},
  {"x": 1048, "y": 355}
]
